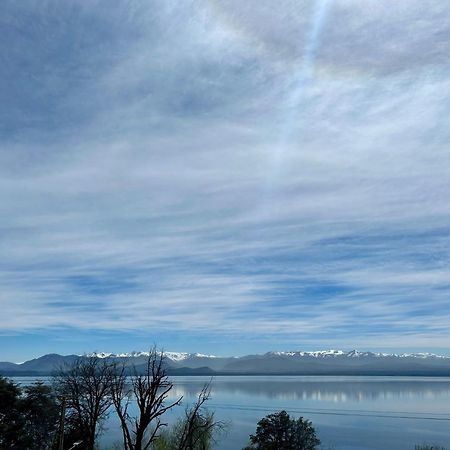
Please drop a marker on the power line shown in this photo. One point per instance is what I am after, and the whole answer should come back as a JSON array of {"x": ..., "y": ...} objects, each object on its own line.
[
  {"x": 370, "y": 411},
  {"x": 333, "y": 412}
]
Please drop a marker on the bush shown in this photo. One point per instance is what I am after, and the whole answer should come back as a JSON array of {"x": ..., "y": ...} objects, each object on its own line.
[{"x": 279, "y": 432}]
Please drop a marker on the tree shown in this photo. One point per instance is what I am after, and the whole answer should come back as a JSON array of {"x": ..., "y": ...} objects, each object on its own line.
[
  {"x": 11, "y": 420},
  {"x": 279, "y": 432},
  {"x": 149, "y": 387},
  {"x": 194, "y": 431},
  {"x": 40, "y": 413},
  {"x": 85, "y": 384},
  {"x": 198, "y": 426},
  {"x": 28, "y": 417}
]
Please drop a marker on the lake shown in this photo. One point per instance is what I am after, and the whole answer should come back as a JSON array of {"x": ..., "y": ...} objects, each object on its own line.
[{"x": 349, "y": 413}]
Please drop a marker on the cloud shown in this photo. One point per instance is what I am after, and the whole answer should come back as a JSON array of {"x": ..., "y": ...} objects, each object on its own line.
[{"x": 149, "y": 180}]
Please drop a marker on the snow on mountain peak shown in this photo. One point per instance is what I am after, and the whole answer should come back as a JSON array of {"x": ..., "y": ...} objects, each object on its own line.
[
  {"x": 101, "y": 355},
  {"x": 315, "y": 354},
  {"x": 182, "y": 356},
  {"x": 354, "y": 354},
  {"x": 174, "y": 356}
]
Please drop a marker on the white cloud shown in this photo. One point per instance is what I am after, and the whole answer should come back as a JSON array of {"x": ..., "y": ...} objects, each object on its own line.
[{"x": 159, "y": 201}]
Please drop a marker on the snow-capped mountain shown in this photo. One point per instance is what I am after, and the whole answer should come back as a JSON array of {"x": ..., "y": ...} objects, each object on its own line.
[
  {"x": 321, "y": 362},
  {"x": 182, "y": 356},
  {"x": 174, "y": 356},
  {"x": 356, "y": 354}
]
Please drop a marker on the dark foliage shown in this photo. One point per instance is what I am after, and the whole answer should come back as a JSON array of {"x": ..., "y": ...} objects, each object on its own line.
[
  {"x": 28, "y": 418},
  {"x": 278, "y": 431},
  {"x": 41, "y": 415},
  {"x": 11, "y": 421}
]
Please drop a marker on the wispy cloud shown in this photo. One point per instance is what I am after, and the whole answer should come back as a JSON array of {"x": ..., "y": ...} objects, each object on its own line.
[{"x": 138, "y": 187}]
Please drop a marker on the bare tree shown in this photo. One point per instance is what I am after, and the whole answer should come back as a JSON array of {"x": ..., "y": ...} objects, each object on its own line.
[
  {"x": 85, "y": 384},
  {"x": 199, "y": 425},
  {"x": 150, "y": 388}
]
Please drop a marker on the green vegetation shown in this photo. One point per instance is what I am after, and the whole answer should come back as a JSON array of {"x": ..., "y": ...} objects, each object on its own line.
[
  {"x": 279, "y": 431},
  {"x": 193, "y": 432},
  {"x": 28, "y": 417}
]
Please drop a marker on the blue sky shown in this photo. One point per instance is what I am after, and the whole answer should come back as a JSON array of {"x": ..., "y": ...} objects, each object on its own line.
[{"x": 223, "y": 176}]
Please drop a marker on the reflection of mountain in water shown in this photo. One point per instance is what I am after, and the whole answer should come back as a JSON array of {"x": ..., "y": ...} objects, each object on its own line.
[{"x": 326, "y": 390}]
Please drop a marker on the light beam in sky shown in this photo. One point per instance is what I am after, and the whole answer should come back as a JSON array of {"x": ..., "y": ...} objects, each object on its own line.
[{"x": 301, "y": 78}]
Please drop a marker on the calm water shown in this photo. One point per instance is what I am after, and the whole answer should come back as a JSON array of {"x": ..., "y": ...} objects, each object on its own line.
[{"x": 349, "y": 413}]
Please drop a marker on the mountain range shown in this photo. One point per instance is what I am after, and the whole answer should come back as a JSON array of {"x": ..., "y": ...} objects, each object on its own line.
[{"x": 325, "y": 362}]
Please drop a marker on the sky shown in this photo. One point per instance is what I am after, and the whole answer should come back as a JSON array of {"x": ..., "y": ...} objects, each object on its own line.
[{"x": 224, "y": 177}]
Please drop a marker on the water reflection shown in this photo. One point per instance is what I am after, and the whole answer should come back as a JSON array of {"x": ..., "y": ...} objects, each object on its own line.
[
  {"x": 329, "y": 389},
  {"x": 325, "y": 388}
]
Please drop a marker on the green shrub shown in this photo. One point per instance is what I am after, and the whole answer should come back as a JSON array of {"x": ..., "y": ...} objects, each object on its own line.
[{"x": 280, "y": 432}]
